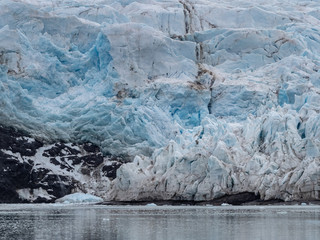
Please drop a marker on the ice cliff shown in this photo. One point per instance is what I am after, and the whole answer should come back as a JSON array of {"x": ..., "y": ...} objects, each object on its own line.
[{"x": 199, "y": 99}]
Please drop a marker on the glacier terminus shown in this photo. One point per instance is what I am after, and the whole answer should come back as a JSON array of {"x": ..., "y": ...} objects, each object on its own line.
[{"x": 159, "y": 99}]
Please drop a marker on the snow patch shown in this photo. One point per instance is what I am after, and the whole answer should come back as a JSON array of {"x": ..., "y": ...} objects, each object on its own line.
[{"x": 33, "y": 194}]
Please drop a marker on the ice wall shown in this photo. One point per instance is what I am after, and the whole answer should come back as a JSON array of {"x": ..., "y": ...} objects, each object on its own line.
[{"x": 206, "y": 97}]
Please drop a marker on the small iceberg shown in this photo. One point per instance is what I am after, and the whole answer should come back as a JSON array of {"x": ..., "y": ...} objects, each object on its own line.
[
  {"x": 225, "y": 204},
  {"x": 151, "y": 205},
  {"x": 79, "y": 198}
]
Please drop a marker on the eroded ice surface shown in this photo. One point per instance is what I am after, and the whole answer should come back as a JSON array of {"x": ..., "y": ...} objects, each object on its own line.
[{"x": 206, "y": 97}]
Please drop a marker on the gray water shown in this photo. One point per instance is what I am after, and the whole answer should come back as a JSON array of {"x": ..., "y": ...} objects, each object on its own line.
[{"x": 152, "y": 223}]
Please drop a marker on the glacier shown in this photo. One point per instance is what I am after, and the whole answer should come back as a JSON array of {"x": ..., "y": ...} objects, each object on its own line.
[{"x": 199, "y": 99}]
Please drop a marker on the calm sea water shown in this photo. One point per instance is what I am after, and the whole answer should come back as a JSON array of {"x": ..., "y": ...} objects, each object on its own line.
[{"x": 152, "y": 223}]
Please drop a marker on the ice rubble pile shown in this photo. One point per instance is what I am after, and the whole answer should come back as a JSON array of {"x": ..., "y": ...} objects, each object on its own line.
[
  {"x": 79, "y": 198},
  {"x": 207, "y": 97}
]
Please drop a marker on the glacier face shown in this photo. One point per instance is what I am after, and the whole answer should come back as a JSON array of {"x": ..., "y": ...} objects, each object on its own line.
[{"x": 205, "y": 98}]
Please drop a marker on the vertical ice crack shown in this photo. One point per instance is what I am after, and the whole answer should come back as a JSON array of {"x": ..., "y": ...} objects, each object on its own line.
[
  {"x": 210, "y": 102},
  {"x": 193, "y": 20},
  {"x": 199, "y": 52},
  {"x": 204, "y": 71},
  {"x": 187, "y": 17}
]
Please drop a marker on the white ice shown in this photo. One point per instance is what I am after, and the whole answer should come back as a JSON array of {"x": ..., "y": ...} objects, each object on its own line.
[{"x": 79, "y": 198}]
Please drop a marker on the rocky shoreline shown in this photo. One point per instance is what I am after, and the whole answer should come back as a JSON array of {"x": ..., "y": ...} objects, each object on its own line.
[
  {"x": 275, "y": 202},
  {"x": 242, "y": 199}
]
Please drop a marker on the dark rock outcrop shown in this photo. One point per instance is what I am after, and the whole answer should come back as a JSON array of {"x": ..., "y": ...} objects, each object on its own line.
[{"x": 31, "y": 171}]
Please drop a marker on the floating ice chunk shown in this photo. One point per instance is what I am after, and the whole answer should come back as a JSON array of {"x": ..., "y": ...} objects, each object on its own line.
[
  {"x": 79, "y": 198},
  {"x": 225, "y": 204},
  {"x": 151, "y": 205}
]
